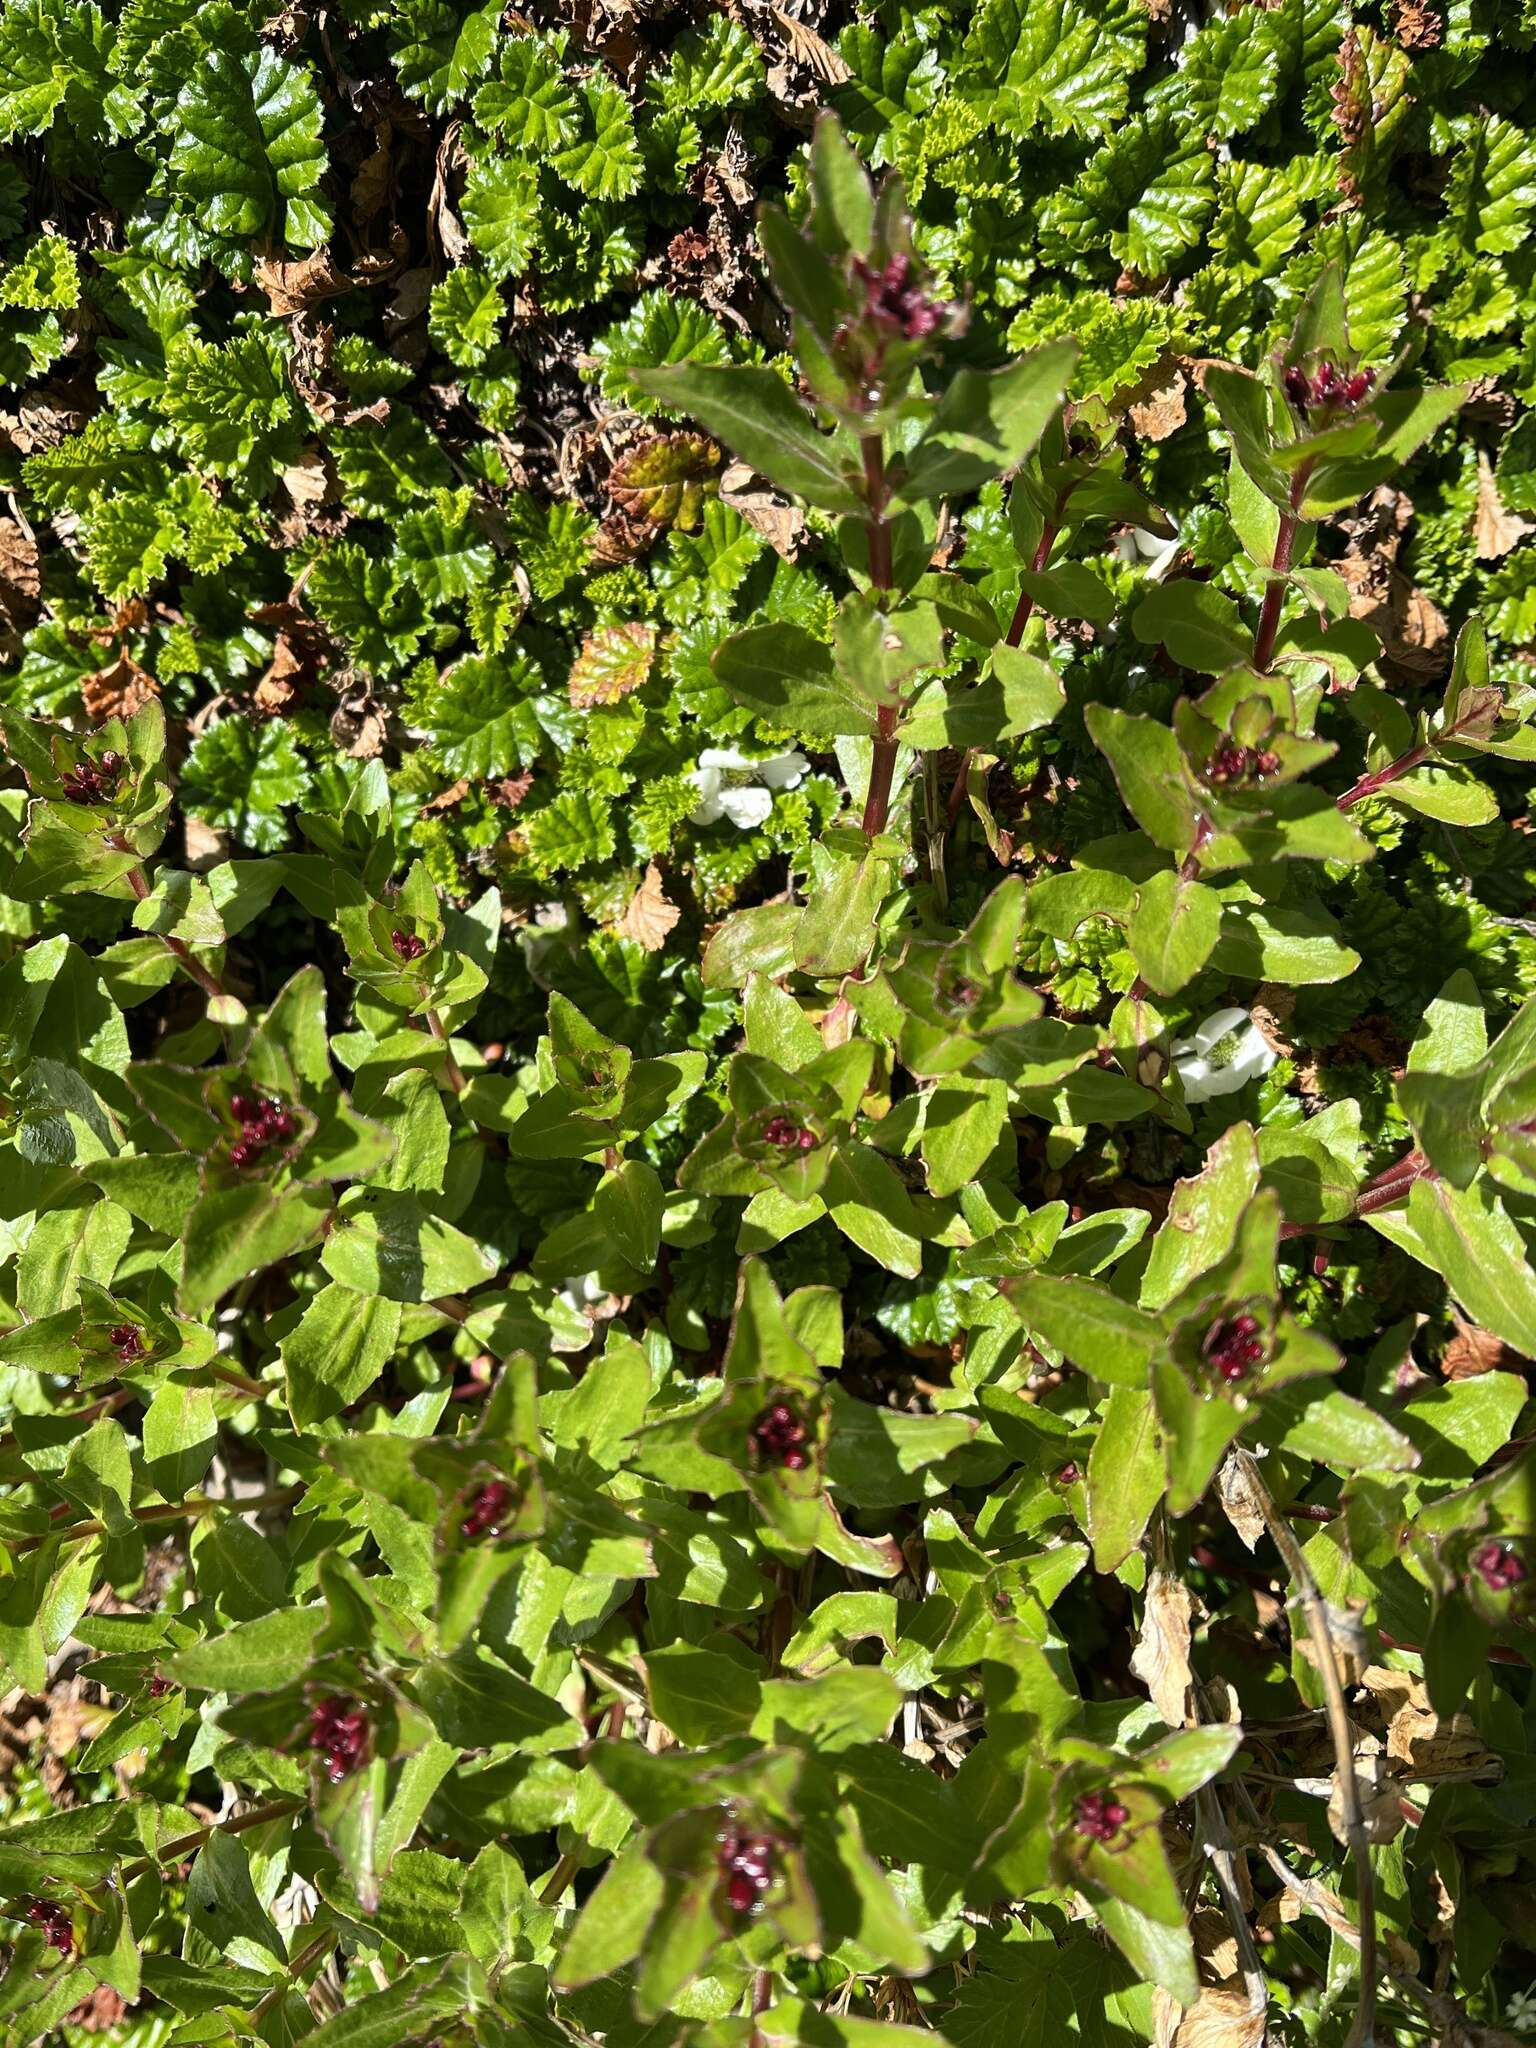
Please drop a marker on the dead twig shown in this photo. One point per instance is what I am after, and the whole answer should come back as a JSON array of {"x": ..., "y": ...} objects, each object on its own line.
[{"x": 1307, "y": 1595}]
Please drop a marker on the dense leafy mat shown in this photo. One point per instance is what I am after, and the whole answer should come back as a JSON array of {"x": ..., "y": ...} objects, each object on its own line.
[{"x": 766, "y": 1084}]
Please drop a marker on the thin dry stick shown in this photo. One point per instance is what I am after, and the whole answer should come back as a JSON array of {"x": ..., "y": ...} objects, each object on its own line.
[
  {"x": 1221, "y": 1853},
  {"x": 1315, "y": 1608},
  {"x": 1445, "y": 2013}
]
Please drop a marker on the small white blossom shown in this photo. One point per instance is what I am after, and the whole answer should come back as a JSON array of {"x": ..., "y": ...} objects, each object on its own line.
[
  {"x": 1225, "y": 1053},
  {"x": 1158, "y": 550},
  {"x": 1520, "y": 2012},
  {"x": 732, "y": 786}
]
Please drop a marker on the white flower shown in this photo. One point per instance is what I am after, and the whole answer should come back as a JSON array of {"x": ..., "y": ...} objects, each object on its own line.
[
  {"x": 1158, "y": 550},
  {"x": 1226, "y": 1052},
  {"x": 1520, "y": 2013},
  {"x": 732, "y": 786}
]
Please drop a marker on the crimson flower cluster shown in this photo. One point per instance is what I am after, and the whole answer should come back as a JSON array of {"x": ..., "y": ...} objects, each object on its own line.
[
  {"x": 894, "y": 301},
  {"x": 1069, "y": 1474},
  {"x": 1500, "y": 1568},
  {"x": 126, "y": 1343},
  {"x": 746, "y": 1864},
  {"x": 93, "y": 782},
  {"x": 338, "y": 1728},
  {"x": 788, "y": 1136},
  {"x": 55, "y": 1923},
  {"x": 407, "y": 945},
  {"x": 779, "y": 1437},
  {"x": 1234, "y": 1347},
  {"x": 1232, "y": 763},
  {"x": 1328, "y": 389},
  {"x": 159, "y": 1686},
  {"x": 1100, "y": 1816},
  {"x": 488, "y": 1510},
  {"x": 264, "y": 1123}
]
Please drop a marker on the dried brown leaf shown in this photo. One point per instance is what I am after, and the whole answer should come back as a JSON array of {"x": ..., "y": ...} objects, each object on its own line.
[
  {"x": 811, "y": 50},
  {"x": 295, "y": 287},
  {"x": 1432, "y": 1746},
  {"x": 1495, "y": 530},
  {"x": 117, "y": 691},
  {"x": 1471, "y": 1351},
  {"x": 21, "y": 578},
  {"x": 1240, "y": 1503},
  {"x": 781, "y": 524},
  {"x": 1221, "y": 2018},
  {"x": 1161, "y": 1656},
  {"x": 649, "y": 916},
  {"x": 1161, "y": 411},
  {"x": 306, "y": 480}
]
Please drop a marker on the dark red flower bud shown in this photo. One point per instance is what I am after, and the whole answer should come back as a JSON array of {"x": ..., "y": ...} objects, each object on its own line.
[
  {"x": 1100, "y": 1816},
  {"x": 488, "y": 1509},
  {"x": 746, "y": 1864},
  {"x": 126, "y": 1342},
  {"x": 779, "y": 1437},
  {"x": 1298, "y": 387},
  {"x": 55, "y": 1923},
  {"x": 407, "y": 945},
  {"x": 788, "y": 1136},
  {"x": 1233, "y": 1346},
  {"x": 1068, "y": 1475},
  {"x": 338, "y": 1729},
  {"x": 159, "y": 1687},
  {"x": 1500, "y": 1568},
  {"x": 1357, "y": 386}
]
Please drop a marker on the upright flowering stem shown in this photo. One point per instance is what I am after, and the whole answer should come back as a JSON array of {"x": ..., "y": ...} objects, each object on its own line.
[
  {"x": 1274, "y": 594},
  {"x": 882, "y": 767}
]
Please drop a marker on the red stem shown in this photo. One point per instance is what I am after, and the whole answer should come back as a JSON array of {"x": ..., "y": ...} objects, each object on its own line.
[
  {"x": 1369, "y": 784},
  {"x": 1274, "y": 593},
  {"x": 882, "y": 766}
]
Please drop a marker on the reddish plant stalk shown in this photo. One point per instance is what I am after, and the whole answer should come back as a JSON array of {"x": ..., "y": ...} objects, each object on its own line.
[
  {"x": 882, "y": 766},
  {"x": 1274, "y": 593}
]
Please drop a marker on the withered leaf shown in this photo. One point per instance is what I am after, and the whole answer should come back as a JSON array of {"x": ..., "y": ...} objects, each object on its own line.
[
  {"x": 649, "y": 916},
  {"x": 118, "y": 690}
]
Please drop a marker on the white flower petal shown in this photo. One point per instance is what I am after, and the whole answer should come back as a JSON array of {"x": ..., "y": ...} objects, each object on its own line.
[
  {"x": 747, "y": 808},
  {"x": 724, "y": 757},
  {"x": 782, "y": 772},
  {"x": 708, "y": 808},
  {"x": 1217, "y": 1025}
]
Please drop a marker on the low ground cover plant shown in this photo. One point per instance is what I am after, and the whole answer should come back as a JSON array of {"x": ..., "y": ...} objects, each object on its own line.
[{"x": 767, "y": 1067}]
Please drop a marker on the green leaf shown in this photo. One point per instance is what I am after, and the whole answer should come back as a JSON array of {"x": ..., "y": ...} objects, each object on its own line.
[
  {"x": 754, "y": 413},
  {"x": 1126, "y": 1476},
  {"x": 254, "y": 1656},
  {"x": 342, "y": 1342},
  {"x": 1102, "y": 1335},
  {"x": 1173, "y": 930},
  {"x": 1198, "y": 625},
  {"x": 246, "y": 149},
  {"x": 986, "y": 423},
  {"x": 390, "y": 1245},
  {"x": 786, "y": 675},
  {"x": 1148, "y": 764}
]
